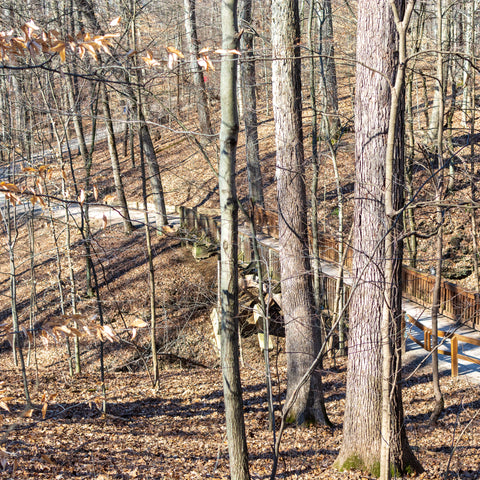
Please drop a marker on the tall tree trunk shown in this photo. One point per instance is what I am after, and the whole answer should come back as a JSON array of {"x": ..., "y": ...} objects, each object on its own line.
[
  {"x": 249, "y": 98},
  {"x": 232, "y": 390},
  {"x": 145, "y": 138},
  {"x": 440, "y": 188},
  {"x": 468, "y": 62},
  {"x": 86, "y": 7},
  {"x": 377, "y": 286},
  {"x": 302, "y": 329},
  {"x": 198, "y": 79},
  {"x": 328, "y": 71},
  {"x": 117, "y": 174}
]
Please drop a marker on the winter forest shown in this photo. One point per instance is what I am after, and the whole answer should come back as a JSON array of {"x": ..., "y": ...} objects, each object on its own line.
[{"x": 239, "y": 239}]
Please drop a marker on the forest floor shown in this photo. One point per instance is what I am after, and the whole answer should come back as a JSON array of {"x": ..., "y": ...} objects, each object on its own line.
[{"x": 178, "y": 430}]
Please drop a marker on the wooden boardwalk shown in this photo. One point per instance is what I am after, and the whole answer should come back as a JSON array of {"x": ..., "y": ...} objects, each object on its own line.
[
  {"x": 460, "y": 309},
  {"x": 456, "y": 334}
]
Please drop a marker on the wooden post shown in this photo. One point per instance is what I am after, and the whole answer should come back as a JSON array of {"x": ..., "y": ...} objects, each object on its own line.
[
  {"x": 454, "y": 354},
  {"x": 427, "y": 339}
]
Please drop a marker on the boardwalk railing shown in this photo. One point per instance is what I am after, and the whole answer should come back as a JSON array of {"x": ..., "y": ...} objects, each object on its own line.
[
  {"x": 452, "y": 338},
  {"x": 457, "y": 303}
]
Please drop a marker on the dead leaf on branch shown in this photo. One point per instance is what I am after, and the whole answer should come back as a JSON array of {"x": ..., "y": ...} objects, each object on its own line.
[
  {"x": 115, "y": 22},
  {"x": 149, "y": 60},
  {"x": 173, "y": 56}
]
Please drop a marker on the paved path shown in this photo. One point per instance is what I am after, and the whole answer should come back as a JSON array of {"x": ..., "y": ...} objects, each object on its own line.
[{"x": 415, "y": 353}]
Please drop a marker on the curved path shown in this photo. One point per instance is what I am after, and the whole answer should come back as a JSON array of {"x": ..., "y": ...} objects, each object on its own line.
[{"x": 415, "y": 354}]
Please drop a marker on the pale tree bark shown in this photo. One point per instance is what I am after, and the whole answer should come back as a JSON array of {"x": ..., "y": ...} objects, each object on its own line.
[
  {"x": 302, "y": 329},
  {"x": 249, "y": 99},
  {"x": 232, "y": 389},
  {"x": 378, "y": 280},
  {"x": 198, "y": 80},
  {"x": 468, "y": 100}
]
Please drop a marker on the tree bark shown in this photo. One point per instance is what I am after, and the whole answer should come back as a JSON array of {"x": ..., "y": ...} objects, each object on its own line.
[
  {"x": 328, "y": 71},
  {"x": 198, "y": 80},
  {"x": 303, "y": 337},
  {"x": 249, "y": 98},
  {"x": 378, "y": 287},
  {"x": 86, "y": 7},
  {"x": 232, "y": 390}
]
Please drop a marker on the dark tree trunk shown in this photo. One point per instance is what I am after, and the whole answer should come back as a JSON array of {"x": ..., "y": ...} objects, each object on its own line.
[{"x": 303, "y": 336}]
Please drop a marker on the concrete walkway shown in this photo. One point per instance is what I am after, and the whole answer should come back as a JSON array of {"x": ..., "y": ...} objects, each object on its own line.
[{"x": 414, "y": 353}]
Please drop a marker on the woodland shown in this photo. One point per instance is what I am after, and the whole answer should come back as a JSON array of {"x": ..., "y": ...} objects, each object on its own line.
[{"x": 354, "y": 121}]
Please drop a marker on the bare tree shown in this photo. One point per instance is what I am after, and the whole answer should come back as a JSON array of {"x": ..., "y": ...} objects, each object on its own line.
[
  {"x": 232, "y": 390},
  {"x": 302, "y": 329},
  {"x": 198, "y": 80},
  {"x": 249, "y": 98},
  {"x": 375, "y": 310}
]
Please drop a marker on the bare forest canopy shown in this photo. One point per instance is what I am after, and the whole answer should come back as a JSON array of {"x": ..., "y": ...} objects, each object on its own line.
[{"x": 347, "y": 130}]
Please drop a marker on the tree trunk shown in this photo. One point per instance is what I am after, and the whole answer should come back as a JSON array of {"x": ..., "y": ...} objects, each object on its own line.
[
  {"x": 86, "y": 7},
  {"x": 249, "y": 98},
  {"x": 232, "y": 389},
  {"x": 303, "y": 338},
  {"x": 117, "y": 174},
  {"x": 439, "y": 185},
  {"x": 328, "y": 71},
  {"x": 376, "y": 287},
  {"x": 198, "y": 80}
]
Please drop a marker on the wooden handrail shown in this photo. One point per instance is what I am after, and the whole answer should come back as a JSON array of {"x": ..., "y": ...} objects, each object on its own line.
[
  {"x": 454, "y": 339},
  {"x": 457, "y": 303}
]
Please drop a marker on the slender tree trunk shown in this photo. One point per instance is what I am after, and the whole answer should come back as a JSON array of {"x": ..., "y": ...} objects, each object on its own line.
[
  {"x": 468, "y": 73},
  {"x": 232, "y": 390},
  {"x": 86, "y": 7},
  {"x": 117, "y": 174},
  {"x": 12, "y": 235},
  {"x": 302, "y": 329},
  {"x": 87, "y": 162},
  {"x": 198, "y": 80},
  {"x": 316, "y": 265},
  {"x": 151, "y": 277},
  {"x": 439, "y": 186},
  {"x": 328, "y": 71},
  {"x": 249, "y": 98}
]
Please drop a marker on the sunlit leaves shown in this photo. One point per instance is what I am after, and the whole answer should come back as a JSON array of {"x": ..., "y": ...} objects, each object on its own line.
[
  {"x": 81, "y": 197},
  {"x": 204, "y": 59},
  {"x": 149, "y": 60},
  {"x": 115, "y": 22},
  {"x": 35, "y": 42},
  {"x": 173, "y": 56},
  {"x": 222, "y": 51}
]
